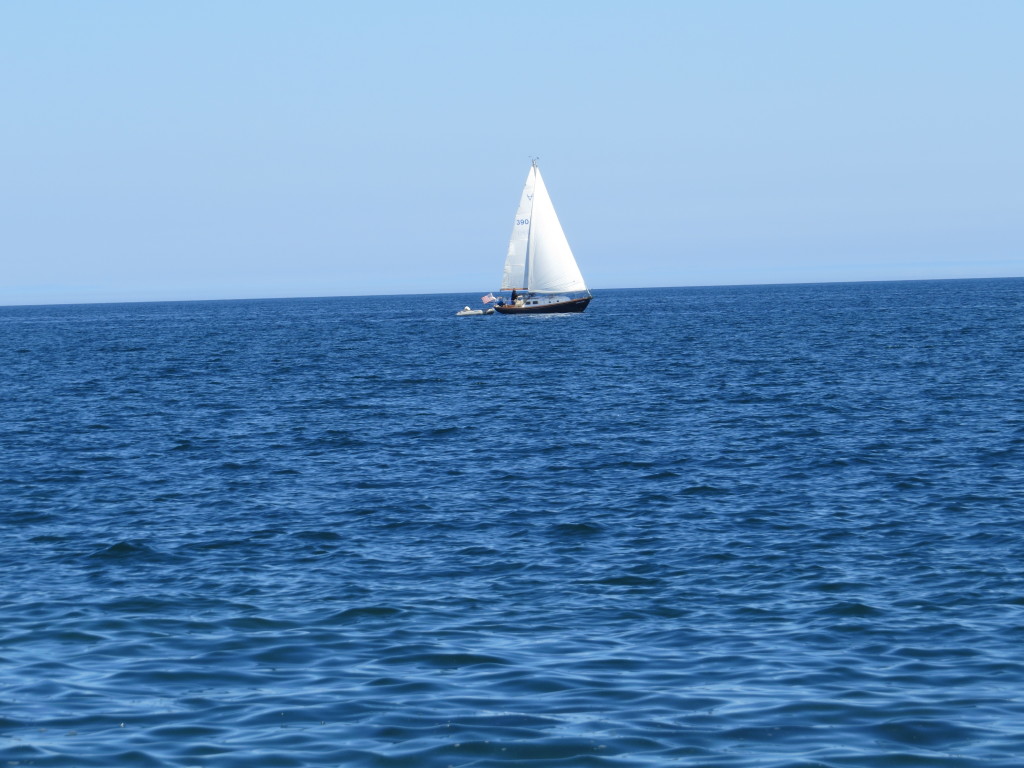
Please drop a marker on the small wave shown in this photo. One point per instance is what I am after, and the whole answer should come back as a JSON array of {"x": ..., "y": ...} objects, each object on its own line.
[
  {"x": 129, "y": 549},
  {"x": 925, "y": 734},
  {"x": 703, "y": 490},
  {"x": 318, "y": 535},
  {"x": 350, "y": 615},
  {"x": 443, "y": 660},
  {"x": 577, "y": 529},
  {"x": 628, "y": 581},
  {"x": 851, "y": 610},
  {"x": 838, "y": 586}
]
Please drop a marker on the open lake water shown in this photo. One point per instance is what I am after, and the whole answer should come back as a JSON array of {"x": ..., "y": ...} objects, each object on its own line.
[{"x": 747, "y": 526}]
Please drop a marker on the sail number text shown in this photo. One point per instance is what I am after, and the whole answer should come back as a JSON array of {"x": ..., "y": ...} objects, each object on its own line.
[{"x": 522, "y": 221}]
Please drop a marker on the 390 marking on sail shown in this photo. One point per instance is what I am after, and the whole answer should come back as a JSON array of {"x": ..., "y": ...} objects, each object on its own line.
[{"x": 520, "y": 222}]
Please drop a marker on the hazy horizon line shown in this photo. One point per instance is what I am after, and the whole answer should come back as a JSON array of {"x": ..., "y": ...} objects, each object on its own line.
[{"x": 463, "y": 293}]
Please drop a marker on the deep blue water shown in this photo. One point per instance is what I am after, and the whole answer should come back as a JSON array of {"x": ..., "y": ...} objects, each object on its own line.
[{"x": 754, "y": 526}]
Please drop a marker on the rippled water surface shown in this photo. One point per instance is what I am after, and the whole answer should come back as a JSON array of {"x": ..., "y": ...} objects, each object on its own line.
[{"x": 758, "y": 526}]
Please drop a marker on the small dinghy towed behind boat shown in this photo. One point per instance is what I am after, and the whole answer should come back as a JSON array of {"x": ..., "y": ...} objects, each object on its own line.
[{"x": 467, "y": 312}]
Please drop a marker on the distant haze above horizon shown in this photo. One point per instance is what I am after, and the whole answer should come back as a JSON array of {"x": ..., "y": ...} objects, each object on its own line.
[{"x": 255, "y": 150}]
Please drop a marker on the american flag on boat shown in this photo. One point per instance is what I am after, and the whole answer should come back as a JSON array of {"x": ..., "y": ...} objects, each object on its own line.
[{"x": 488, "y": 298}]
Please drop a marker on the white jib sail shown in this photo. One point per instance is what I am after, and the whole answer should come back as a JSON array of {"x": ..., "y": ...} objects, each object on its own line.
[
  {"x": 539, "y": 258},
  {"x": 550, "y": 266}
]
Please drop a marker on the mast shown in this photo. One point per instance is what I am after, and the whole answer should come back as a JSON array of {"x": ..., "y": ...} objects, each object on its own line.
[{"x": 531, "y": 183}]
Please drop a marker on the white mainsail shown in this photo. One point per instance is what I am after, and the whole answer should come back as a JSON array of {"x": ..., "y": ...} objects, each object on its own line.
[{"x": 539, "y": 258}]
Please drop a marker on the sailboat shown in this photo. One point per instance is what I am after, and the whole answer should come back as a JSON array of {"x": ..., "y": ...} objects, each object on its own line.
[{"x": 540, "y": 269}]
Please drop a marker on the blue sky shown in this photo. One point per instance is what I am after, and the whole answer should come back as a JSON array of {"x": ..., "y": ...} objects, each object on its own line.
[{"x": 193, "y": 150}]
